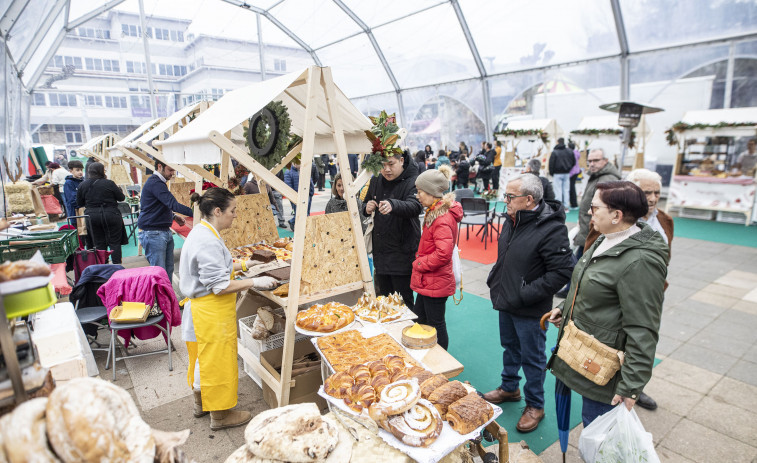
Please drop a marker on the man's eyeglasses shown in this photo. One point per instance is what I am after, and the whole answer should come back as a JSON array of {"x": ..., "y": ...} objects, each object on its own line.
[
  {"x": 594, "y": 208},
  {"x": 509, "y": 197},
  {"x": 591, "y": 161},
  {"x": 650, "y": 192}
]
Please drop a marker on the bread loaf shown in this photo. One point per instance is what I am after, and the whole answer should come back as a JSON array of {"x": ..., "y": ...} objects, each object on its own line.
[
  {"x": 445, "y": 395},
  {"x": 91, "y": 421},
  {"x": 25, "y": 435},
  {"x": 259, "y": 331},
  {"x": 468, "y": 413},
  {"x": 428, "y": 386},
  {"x": 295, "y": 433}
]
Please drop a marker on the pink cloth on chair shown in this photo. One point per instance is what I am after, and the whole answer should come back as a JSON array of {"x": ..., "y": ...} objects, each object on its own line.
[{"x": 142, "y": 284}]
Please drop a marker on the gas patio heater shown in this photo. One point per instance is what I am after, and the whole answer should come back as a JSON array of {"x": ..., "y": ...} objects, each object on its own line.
[{"x": 629, "y": 115}]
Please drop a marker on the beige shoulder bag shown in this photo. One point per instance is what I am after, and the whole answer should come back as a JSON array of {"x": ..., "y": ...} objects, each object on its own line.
[{"x": 587, "y": 356}]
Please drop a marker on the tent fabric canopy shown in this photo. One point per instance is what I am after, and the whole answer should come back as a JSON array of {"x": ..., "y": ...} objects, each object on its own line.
[{"x": 192, "y": 145}]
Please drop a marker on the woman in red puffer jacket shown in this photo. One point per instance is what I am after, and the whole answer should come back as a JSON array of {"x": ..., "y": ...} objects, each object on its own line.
[{"x": 432, "y": 276}]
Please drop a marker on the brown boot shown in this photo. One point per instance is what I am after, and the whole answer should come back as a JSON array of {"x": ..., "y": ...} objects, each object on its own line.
[
  {"x": 198, "y": 411},
  {"x": 222, "y": 419},
  {"x": 530, "y": 419},
  {"x": 499, "y": 395}
]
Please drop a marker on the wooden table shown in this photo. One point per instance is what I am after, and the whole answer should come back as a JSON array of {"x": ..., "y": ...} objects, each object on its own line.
[{"x": 438, "y": 360}]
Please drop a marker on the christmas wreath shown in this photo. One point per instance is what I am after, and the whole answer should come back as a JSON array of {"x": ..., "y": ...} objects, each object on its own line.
[
  {"x": 383, "y": 135},
  {"x": 267, "y": 136}
]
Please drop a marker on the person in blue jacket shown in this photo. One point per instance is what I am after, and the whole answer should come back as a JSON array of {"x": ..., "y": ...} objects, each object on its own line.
[
  {"x": 292, "y": 178},
  {"x": 72, "y": 184},
  {"x": 156, "y": 215}
]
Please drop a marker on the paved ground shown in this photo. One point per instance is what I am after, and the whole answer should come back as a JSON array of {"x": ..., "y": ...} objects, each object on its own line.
[{"x": 706, "y": 384}]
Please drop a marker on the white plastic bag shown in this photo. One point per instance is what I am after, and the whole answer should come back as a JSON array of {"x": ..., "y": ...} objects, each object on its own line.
[
  {"x": 457, "y": 270},
  {"x": 618, "y": 435}
]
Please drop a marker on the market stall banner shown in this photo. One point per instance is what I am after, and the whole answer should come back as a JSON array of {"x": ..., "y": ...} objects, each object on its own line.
[{"x": 715, "y": 195}]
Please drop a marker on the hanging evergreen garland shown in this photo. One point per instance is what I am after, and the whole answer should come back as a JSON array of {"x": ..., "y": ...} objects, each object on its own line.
[
  {"x": 383, "y": 135},
  {"x": 267, "y": 136}
]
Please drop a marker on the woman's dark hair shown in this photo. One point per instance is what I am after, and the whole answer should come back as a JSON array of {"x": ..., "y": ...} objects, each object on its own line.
[
  {"x": 428, "y": 149},
  {"x": 213, "y": 198},
  {"x": 337, "y": 177},
  {"x": 96, "y": 170},
  {"x": 625, "y": 197}
]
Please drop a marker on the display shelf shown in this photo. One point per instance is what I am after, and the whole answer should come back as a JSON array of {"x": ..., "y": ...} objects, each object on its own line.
[{"x": 284, "y": 301}]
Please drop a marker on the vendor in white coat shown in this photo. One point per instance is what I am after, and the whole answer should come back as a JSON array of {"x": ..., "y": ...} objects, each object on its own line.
[{"x": 209, "y": 324}]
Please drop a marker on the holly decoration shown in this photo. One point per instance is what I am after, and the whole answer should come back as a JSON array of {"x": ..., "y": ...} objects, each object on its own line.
[
  {"x": 269, "y": 140},
  {"x": 516, "y": 133},
  {"x": 670, "y": 134},
  {"x": 383, "y": 135}
]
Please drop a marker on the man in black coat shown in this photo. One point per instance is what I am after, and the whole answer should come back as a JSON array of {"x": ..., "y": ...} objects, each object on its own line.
[
  {"x": 396, "y": 228},
  {"x": 534, "y": 167},
  {"x": 533, "y": 262},
  {"x": 561, "y": 162},
  {"x": 463, "y": 171}
]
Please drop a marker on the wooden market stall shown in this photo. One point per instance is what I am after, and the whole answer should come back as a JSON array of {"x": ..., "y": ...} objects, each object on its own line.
[
  {"x": 119, "y": 152},
  {"x": 334, "y": 260},
  {"x": 704, "y": 184},
  {"x": 99, "y": 149},
  {"x": 602, "y": 131},
  {"x": 539, "y": 134}
]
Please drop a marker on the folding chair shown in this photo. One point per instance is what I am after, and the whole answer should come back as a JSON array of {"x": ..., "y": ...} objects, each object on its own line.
[
  {"x": 130, "y": 219},
  {"x": 476, "y": 213}
]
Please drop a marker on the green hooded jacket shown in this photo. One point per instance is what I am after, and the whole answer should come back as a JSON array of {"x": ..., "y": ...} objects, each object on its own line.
[{"x": 619, "y": 302}]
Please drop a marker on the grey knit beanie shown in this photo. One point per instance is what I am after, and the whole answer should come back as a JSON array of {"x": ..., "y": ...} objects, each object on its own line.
[{"x": 433, "y": 182}]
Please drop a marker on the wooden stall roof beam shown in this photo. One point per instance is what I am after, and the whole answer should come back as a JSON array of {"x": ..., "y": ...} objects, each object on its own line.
[
  {"x": 300, "y": 224},
  {"x": 344, "y": 164},
  {"x": 148, "y": 163},
  {"x": 196, "y": 170},
  {"x": 253, "y": 166}
]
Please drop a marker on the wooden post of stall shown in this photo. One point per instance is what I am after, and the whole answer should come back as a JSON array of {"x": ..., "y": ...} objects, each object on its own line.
[
  {"x": 300, "y": 225},
  {"x": 347, "y": 180}
]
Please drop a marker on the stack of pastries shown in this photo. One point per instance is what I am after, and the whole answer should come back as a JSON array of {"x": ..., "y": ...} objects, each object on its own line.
[
  {"x": 325, "y": 318},
  {"x": 350, "y": 348},
  {"x": 408, "y": 401}
]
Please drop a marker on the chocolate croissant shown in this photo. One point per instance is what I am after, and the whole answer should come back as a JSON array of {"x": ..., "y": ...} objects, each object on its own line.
[
  {"x": 428, "y": 386},
  {"x": 468, "y": 413},
  {"x": 445, "y": 395}
]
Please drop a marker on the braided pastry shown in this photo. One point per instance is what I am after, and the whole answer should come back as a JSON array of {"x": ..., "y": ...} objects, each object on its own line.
[
  {"x": 339, "y": 385},
  {"x": 361, "y": 396},
  {"x": 428, "y": 386},
  {"x": 325, "y": 318},
  {"x": 445, "y": 395},
  {"x": 394, "y": 363},
  {"x": 418, "y": 427},
  {"x": 468, "y": 413}
]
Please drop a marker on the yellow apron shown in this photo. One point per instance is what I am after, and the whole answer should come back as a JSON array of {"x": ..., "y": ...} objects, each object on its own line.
[{"x": 215, "y": 323}]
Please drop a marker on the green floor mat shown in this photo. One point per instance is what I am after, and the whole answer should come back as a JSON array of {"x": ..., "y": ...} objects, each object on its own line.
[{"x": 719, "y": 232}]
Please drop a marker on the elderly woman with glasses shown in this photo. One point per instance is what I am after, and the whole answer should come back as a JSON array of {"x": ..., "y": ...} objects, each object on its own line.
[{"x": 616, "y": 296}]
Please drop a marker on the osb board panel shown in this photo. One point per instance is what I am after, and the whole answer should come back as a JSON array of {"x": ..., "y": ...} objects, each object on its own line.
[
  {"x": 254, "y": 222},
  {"x": 181, "y": 191},
  {"x": 120, "y": 175},
  {"x": 330, "y": 255}
]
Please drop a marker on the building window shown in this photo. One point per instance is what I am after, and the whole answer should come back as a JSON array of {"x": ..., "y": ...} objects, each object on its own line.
[
  {"x": 62, "y": 99},
  {"x": 280, "y": 65},
  {"x": 179, "y": 71},
  {"x": 115, "y": 101},
  {"x": 75, "y": 61},
  {"x": 162, "y": 34},
  {"x": 38, "y": 99},
  {"x": 94, "y": 100},
  {"x": 131, "y": 30}
]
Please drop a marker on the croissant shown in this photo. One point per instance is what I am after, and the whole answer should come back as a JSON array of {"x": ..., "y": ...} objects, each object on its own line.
[
  {"x": 360, "y": 397},
  {"x": 399, "y": 376},
  {"x": 394, "y": 363},
  {"x": 428, "y": 386},
  {"x": 445, "y": 395},
  {"x": 377, "y": 366},
  {"x": 361, "y": 373},
  {"x": 339, "y": 385},
  {"x": 419, "y": 373},
  {"x": 468, "y": 413},
  {"x": 418, "y": 426},
  {"x": 379, "y": 382}
]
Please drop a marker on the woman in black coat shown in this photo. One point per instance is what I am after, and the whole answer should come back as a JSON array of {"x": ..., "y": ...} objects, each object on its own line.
[{"x": 100, "y": 196}]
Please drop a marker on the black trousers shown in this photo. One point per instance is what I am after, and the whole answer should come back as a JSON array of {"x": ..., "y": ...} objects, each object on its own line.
[
  {"x": 321, "y": 180},
  {"x": 107, "y": 231},
  {"x": 388, "y": 284},
  {"x": 573, "y": 198},
  {"x": 430, "y": 311},
  {"x": 495, "y": 177}
]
